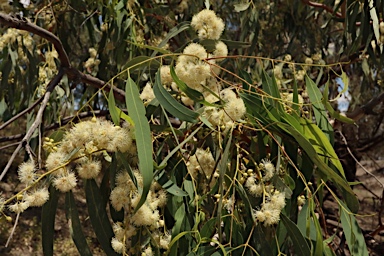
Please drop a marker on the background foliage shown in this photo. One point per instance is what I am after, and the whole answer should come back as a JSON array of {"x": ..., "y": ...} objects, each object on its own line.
[{"x": 111, "y": 49}]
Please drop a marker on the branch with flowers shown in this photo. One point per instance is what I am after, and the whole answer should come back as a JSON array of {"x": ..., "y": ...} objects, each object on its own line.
[{"x": 240, "y": 173}]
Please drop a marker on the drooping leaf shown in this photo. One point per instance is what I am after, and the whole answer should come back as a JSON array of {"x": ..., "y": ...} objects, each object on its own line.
[
  {"x": 143, "y": 136},
  {"x": 113, "y": 109},
  {"x": 169, "y": 185},
  {"x": 48, "y": 214},
  {"x": 75, "y": 225},
  {"x": 172, "y": 105},
  {"x": 353, "y": 234},
  {"x": 98, "y": 216},
  {"x": 318, "y": 108},
  {"x": 300, "y": 244}
]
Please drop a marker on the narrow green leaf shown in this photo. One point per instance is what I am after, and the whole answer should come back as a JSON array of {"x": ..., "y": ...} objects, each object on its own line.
[
  {"x": 248, "y": 80},
  {"x": 270, "y": 87},
  {"x": 319, "y": 141},
  {"x": 223, "y": 165},
  {"x": 327, "y": 249},
  {"x": 318, "y": 229},
  {"x": 169, "y": 185},
  {"x": 333, "y": 113},
  {"x": 170, "y": 154},
  {"x": 209, "y": 228},
  {"x": 173, "y": 32},
  {"x": 75, "y": 225},
  {"x": 191, "y": 93},
  {"x": 172, "y": 105},
  {"x": 143, "y": 136},
  {"x": 98, "y": 216},
  {"x": 113, "y": 110},
  {"x": 351, "y": 199},
  {"x": 140, "y": 62},
  {"x": 241, "y": 6},
  {"x": 353, "y": 234},
  {"x": 48, "y": 214},
  {"x": 300, "y": 244},
  {"x": 318, "y": 108}
]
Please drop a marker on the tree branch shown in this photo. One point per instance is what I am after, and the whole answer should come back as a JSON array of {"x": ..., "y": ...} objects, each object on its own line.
[
  {"x": 37, "y": 122},
  {"x": 324, "y": 7},
  {"x": 62, "y": 122},
  {"x": 24, "y": 24},
  {"x": 74, "y": 74}
]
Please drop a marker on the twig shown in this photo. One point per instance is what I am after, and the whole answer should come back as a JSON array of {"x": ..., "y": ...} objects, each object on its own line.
[
  {"x": 75, "y": 74},
  {"x": 13, "y": 230},
  {"x": 21, "y": 114},
  {"x": 62, "y": 122},
  {"x": 324, "y": 7},
  {"x": 357, "y": 161},
  {"x": 36, "y": 123}
]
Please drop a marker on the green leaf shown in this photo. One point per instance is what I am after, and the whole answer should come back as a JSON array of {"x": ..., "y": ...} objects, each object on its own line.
[
  {"x": 170, "y": 154},
  {"x": 247, "y": 80},
  {"x": 140, "y": 62},
  {"x": 127, "y": 168},
  {"x": 113, "y": 110},
  {"x": 169, "y": 185},
  {"x": 320, "y": 143},
  {"x": 191, "y": 93},
  {"x": 75, "y": 225},
  {"x": 172, "y": 105},
  {"x": 318, "y": 229},
  {"x": 173, "y": 32},
  {"x": 327, "y": 249},
  {"x": 318, "y": 108},
  {"x": 143, "y": 136},
  {"x": 299, "y": 243},
  {"x": 330, "y": 109},
  {"x": 98, "y": 216},
  {"x": 351, "y": 199},
  {"x": 208, "y": 228},
  {"x": 241, "y": 7},
  {"x": 271, "y": 88},
  {"x": 48, "y": 214},
  {"x": 353, "y": 234}
]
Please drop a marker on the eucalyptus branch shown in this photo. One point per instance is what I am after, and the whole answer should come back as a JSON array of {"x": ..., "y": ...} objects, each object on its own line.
[
  {"x": 324, "y": 7},
  {"x": 25, "y": 111},
  {"x": 76, "y": 75},
  {"x": 36, "y": 123},
  {"x": 24, "y": 24},
  {"x": 55, "y": 125}
]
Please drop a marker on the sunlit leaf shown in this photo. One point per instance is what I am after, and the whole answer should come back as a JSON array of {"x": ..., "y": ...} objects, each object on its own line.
[{"x": 143, "y": 136}]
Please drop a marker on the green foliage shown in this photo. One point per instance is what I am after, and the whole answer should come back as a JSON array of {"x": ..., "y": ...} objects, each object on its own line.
[{"x": 229, "y": 183}]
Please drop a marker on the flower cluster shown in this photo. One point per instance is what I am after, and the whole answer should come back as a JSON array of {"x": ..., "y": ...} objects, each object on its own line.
[
  {"x": 84, "y": 143},
  {"x": 202, "y": 162},
  {"x": 36, "y": 196},
  {"x": 126, "y": 196},
  {"x": 207, "y": 25},
  {"x": 198, "y": 69},
  {"x": 269, "y": 214},
  {"x": 233, "y": 110},
  {"x": 259, "y": 184},
  {"x": 92, "y": 64}
]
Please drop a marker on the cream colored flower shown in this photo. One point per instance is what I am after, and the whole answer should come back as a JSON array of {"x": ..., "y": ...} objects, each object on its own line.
[
  {"x": 27, "y": 172},
  {"x": 207, "y": 25}
]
